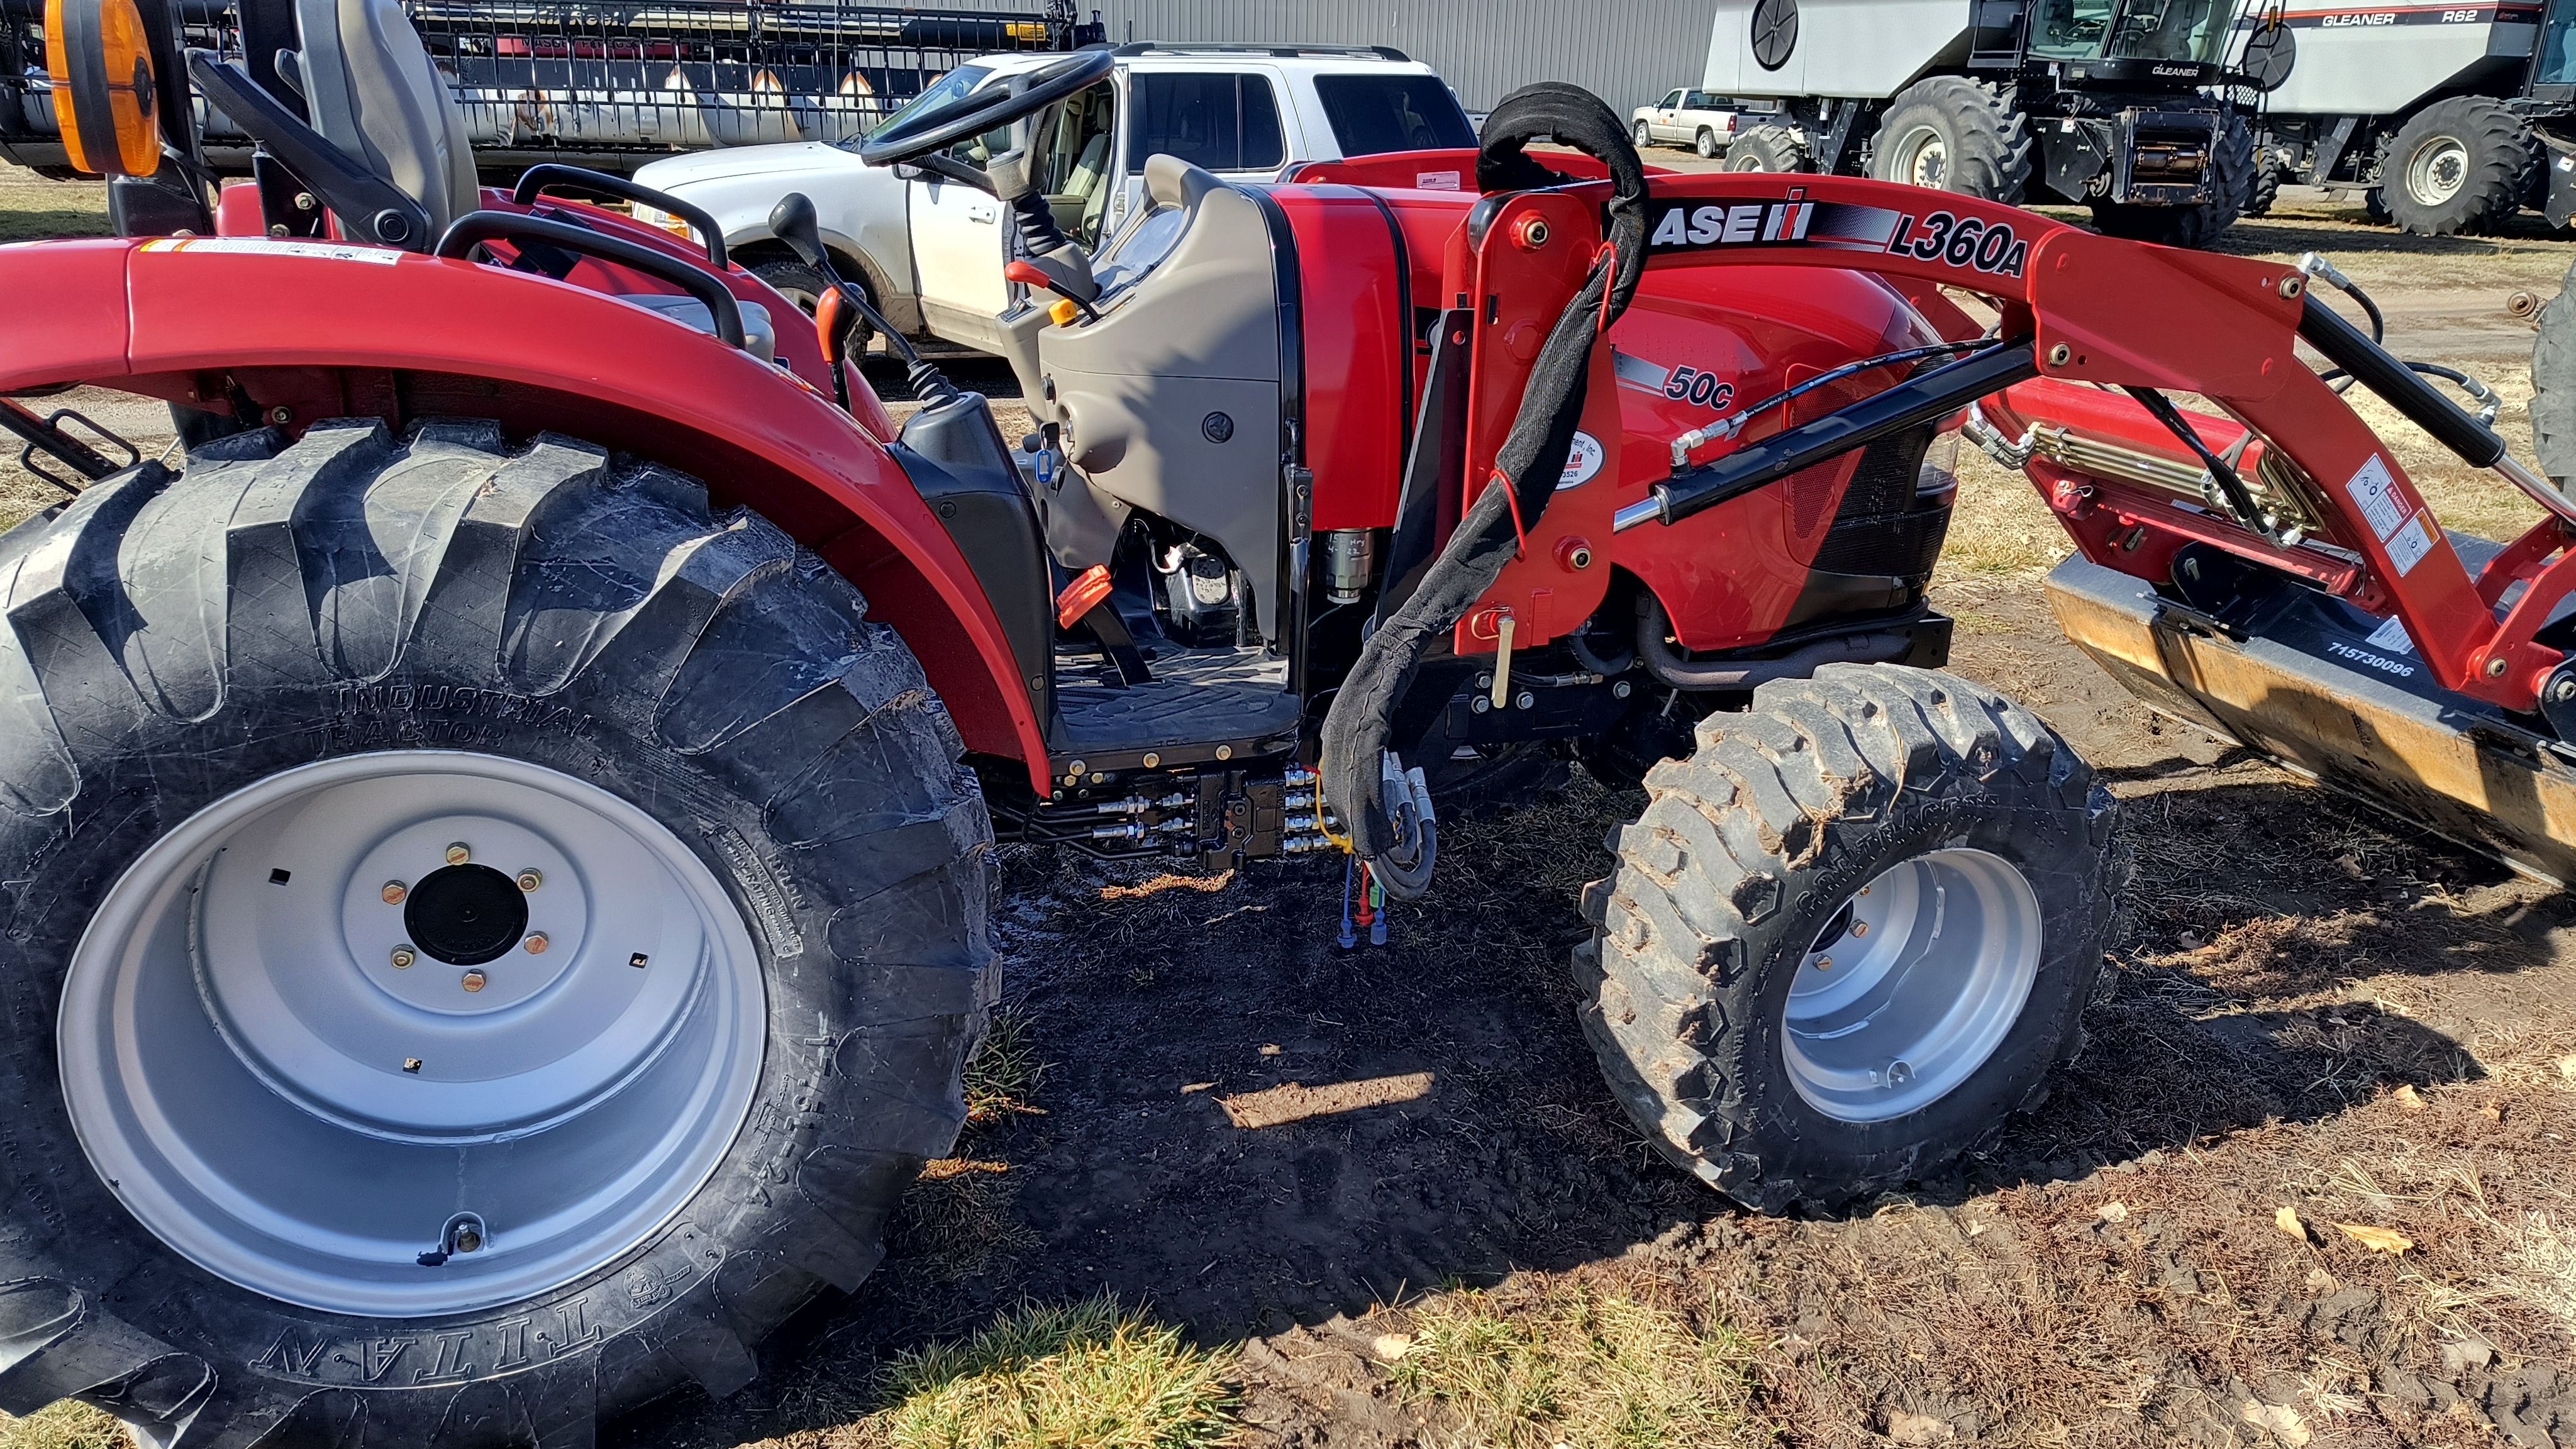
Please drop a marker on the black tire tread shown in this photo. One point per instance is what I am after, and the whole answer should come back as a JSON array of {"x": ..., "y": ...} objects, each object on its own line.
[
  {"x": 1988, "y": 141},
  {"x": 2553, "y": 385},
  {"x": 1723, "y": 833},
  {"x": 2504, "y": 162},
  {"x": 1775, "y": 148}
]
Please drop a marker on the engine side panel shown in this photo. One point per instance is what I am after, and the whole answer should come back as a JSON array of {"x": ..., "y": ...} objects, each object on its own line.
[
  {"x": 2386, "y": 59},
  {"x": 1869, "y": 49}
]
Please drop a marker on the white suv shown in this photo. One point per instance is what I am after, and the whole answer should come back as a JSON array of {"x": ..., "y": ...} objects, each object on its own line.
[
  {"x": 932, "y": 250},
  {"x": 1685, "y": 118}
]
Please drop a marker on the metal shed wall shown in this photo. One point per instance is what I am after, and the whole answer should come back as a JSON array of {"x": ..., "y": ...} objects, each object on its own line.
[{"x": 1627, "y": 52}]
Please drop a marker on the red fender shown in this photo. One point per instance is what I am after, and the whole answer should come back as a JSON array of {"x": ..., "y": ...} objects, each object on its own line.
[{"x": 397, "y": 336}]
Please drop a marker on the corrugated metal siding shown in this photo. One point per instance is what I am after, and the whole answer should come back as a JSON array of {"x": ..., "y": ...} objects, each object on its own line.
[{"x": 1627, "y": 52}]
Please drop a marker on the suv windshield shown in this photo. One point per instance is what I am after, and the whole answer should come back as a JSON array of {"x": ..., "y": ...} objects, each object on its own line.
[
  {"x": 1375, "y": 114},
  {"x": 2190, "y": 31}
]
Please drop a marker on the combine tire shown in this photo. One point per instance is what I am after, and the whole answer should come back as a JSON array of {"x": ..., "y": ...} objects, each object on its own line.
[
  {"x": 2458, "y": 165},
  {"x": 1950, "y": 133},
  {"x": 2553, "y": 386},
  {"x": 2233, "y": 165},
  {"x": 487, "y": 940},
  {"x": 2267, "y": 185},
  {"x": 1767, "y": 148},
  {"x": 1852, "y": 933}
]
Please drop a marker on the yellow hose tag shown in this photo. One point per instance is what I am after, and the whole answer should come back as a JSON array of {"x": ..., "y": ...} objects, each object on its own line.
[{"x": 1502, "y": 658}]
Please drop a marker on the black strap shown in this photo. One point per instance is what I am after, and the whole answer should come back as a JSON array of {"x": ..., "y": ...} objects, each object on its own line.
[{"x": 1532, "y": 458}]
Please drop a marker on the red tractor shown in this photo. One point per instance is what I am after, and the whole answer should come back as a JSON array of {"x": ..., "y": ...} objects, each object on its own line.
[{"x": 498, "y": 844}]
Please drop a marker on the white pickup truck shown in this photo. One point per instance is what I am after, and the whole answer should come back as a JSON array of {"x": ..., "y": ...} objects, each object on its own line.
[{"x": 932, "y": 250}]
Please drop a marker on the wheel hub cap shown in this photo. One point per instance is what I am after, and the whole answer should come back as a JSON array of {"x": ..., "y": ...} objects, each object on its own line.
[
  {"x": 2439, "y": 169},
  {"x": 1911, "y": 985},
  {"x": 335, "y": 1011}
]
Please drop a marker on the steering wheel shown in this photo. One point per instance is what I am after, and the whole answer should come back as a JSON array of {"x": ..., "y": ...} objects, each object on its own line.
[{"x": 921, "y": 139}]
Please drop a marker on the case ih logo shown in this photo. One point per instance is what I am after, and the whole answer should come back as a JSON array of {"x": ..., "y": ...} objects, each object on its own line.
[{"x": 1795, "y": 221}]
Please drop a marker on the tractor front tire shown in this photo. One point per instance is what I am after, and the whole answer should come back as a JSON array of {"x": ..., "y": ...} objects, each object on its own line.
[
  {"x": 2553, "y": 386},
  {"x": 2232, "y": 167},
  {"x": 1949, "y": 133},
  {"x": 1851, "y": 935},
  {"x": 488, "y": 939},
  {"x": 2463, "y": 164},
  {"x": 1767, "y": 148}
]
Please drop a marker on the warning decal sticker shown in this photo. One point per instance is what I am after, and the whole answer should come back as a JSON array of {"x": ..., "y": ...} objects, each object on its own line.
[{"x": 252, "y": 246}]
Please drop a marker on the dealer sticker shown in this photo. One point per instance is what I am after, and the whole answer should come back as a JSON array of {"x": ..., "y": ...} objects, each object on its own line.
[
  {"x": 1581, "y": 462},
  {"x": 252, "y": 246},
  {"x": 2373, "y": 492}
]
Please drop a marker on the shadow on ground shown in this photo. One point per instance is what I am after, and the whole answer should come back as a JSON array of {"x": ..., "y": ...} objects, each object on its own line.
[{"x": 1151, "y": 997}]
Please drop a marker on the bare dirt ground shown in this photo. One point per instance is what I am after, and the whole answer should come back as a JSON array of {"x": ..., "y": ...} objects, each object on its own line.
[{"x": 2332, "y": 1035}]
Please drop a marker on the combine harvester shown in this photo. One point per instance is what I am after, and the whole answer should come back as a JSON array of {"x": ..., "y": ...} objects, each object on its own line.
[
  {"x": 2120, "y": 105},
  {"x": 500, "y": 837},
  {"x": 2449, "y": 118}
]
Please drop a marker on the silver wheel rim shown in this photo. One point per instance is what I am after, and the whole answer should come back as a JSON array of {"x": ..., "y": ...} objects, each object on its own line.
[
  {"x": 1745, "y": 158},
  {"x": 1922, "y": 159},
  {"x": 1707, "y": 144},
  {"x": 2437, "y": 170},
  {"x": 275, "y": 1097},
  {"x": 1645, "y": 137},
  {"x": 1912, "y": 985}
]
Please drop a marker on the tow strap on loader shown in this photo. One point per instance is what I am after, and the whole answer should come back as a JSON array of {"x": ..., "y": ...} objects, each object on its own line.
[{"x": 1390, "y": 828}]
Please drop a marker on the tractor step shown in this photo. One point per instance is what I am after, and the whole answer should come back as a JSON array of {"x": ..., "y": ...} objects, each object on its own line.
[
  {"x": 1200, "y": 706},
  {"x": 2332, "y": 693}
]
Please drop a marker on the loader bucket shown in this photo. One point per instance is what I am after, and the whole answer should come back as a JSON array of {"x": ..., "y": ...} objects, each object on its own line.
[{"x": 2337, "y": 695}]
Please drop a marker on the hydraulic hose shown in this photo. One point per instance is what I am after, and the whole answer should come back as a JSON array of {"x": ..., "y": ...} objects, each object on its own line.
[{"x": 1360, "y": 725}]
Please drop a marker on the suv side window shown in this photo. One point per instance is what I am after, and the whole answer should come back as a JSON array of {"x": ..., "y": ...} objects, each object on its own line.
[
  {"x": 1375, "y": 114},
  {"x": 1223, "y": 122}
]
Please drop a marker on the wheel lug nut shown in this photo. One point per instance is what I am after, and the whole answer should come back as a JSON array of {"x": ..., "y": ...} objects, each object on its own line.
[
  {"x": 403, "y": 958},
  {"x": 536, "y": 943},
  {"x": 529, "y": 880},
  {"x": 394, "y": 892},
  {"x": 411, "y": 1064},
  {"x": 473, "y": 981},
  {"x": 458, "y": 854},
  {"x": 1860, "y": 928},
  {"x": 1824, "y": 963}
]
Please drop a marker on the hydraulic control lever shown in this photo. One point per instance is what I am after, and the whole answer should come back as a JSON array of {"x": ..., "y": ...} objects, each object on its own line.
[{"x": 792, "y": 221}]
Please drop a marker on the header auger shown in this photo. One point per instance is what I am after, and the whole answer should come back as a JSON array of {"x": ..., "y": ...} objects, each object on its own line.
[{"x": 499, "y": 914}]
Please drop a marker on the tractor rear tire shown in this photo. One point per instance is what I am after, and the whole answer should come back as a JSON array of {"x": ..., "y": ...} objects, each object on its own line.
[
  {"x": 1767, "y": 148},
  {"x": 2232, "y": 164},
  {"x": 1949, "y": 133},
  {"x": 1947, "y": 818},
  {"x": 2553, "y": 386},
  {"x": 2458, "y": 165},
  {"x": 258, "y": 719}
]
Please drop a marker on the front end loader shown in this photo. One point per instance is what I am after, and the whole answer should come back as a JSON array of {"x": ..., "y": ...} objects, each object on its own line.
[{"x": 499, "y": 836}]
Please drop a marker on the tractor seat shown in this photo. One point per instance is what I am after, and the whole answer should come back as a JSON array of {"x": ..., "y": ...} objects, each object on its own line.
[
  {"x": 758, "y": 336},
  {"x": 373, "y": 93}
]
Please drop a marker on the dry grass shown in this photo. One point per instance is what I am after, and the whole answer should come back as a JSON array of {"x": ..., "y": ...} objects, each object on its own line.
[
  {"x": 64, "y": 1426},
  {"x": 1089, "y": 1376},
  {"x": 1547, "y": 1361},
  {"x": 1006, "y": 1073},
  {"x": 35, "y": 209},
  {"x": 1999, "y": 527}
]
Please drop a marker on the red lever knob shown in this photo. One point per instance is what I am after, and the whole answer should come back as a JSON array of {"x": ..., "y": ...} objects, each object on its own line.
[{"x": 1027, "y": 275}]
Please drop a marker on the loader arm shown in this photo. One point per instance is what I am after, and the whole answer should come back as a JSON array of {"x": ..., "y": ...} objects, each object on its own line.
[{"x": 2088, "y": 309}]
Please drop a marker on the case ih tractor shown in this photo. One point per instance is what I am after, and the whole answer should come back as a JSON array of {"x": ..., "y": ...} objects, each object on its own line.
[{"x": 498, "y": 841}]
